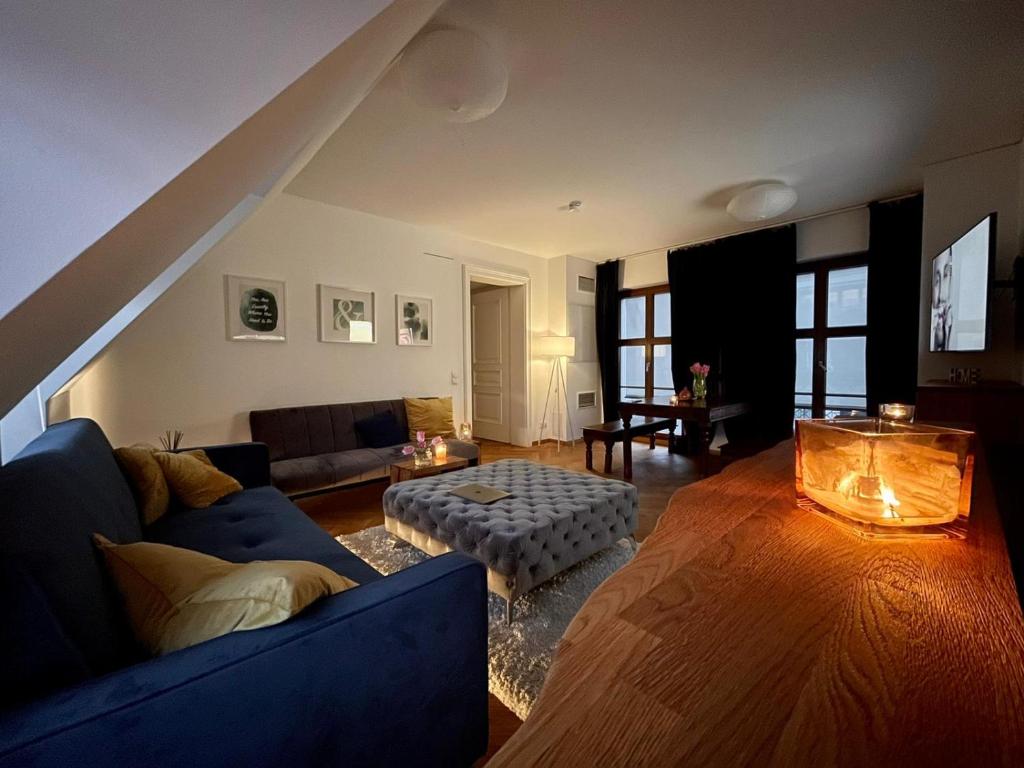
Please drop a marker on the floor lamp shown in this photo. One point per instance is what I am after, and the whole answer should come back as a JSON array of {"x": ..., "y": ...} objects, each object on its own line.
[{"x": 557, "y": 348}]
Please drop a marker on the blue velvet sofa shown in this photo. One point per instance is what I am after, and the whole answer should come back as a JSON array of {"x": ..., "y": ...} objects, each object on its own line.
[{"x": 393, "y": 672}]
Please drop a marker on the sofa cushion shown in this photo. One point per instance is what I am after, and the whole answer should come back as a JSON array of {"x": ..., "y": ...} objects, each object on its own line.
[
  {"x": 193, "y": 479},
  {"x": 177, "y": 598},
  {"x": 359, "y": 464},
  {"x": 152, "y": 496},
  {"x": 37, "y": 655},
  {"x": 258, "y": 524},
  {"x": 432, "y": 416},
  {"x": 380, "y": 430},
  {"x": 63, "y": 487},
  {"x": 307, "y": 473}
]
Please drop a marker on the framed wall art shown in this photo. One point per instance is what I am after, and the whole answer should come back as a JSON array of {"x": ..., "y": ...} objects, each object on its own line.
[
  {"x": 254, "y": 308},
  {"x": 347, "y": 315},
  {"x": 415, "y": 321}
]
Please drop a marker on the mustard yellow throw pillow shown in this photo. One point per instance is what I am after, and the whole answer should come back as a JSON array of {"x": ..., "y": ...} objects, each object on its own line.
[
  {"x": 176, "y": 598},
  {"x": 193, "y": 479},
  {"x": 147, "y": 479},
  {"x": 433, "y": 416}
]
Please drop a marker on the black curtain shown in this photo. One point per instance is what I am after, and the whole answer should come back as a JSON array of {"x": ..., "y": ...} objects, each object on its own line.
[
  {"x": 894, "y": 301},
  {"x": 607, "y": 326},
  {"x": 733, "y": 305}
]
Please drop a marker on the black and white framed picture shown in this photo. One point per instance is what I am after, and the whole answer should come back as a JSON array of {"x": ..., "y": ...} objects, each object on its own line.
[
  {"x": 254, "y": 308},
  {"x": 347, "y": 315},
  {"x": 415, "y": 321}
]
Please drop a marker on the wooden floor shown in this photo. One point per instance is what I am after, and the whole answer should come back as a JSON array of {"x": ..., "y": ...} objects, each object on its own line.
[{"x": 656, "y": 474}]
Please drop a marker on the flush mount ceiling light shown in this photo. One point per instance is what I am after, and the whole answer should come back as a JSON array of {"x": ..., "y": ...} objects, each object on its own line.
[
  {"x": 455, "y": 73},
  {"x": 762, "y": 201}
]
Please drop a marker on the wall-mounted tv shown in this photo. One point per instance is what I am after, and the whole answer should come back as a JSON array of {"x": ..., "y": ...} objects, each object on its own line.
[{"x": 960, "y": 290}]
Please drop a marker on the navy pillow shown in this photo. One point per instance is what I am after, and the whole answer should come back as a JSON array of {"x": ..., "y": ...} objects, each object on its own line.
[{"x": 381, "y": 430}]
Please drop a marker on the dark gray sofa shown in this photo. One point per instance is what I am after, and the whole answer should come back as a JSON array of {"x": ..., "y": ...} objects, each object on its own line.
[{"x": 316, "y": 447}]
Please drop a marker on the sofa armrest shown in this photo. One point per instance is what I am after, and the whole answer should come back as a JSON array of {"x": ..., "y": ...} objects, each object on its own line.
[
  {"x": 390, "y": 673},
  {"x": 248, "y": 463}
]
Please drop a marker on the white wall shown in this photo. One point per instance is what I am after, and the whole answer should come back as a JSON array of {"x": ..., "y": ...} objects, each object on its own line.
[
  {"x": 173, "y": 368},
  {"x": 833, "y": 235},
  {"x": 957, "y": 194}
]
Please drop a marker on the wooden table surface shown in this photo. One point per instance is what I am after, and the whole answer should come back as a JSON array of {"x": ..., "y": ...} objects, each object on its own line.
[{"x": 748, "y": 631}]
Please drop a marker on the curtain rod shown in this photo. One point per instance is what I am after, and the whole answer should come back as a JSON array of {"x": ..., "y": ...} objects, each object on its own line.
[{"x": 836, "y": 212}]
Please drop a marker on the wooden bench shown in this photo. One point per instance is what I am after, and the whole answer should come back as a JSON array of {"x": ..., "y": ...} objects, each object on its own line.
[{"x": 612, "y": 432}]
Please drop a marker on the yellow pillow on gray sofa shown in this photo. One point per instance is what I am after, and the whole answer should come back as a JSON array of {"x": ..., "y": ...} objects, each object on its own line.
[
  {"x": 176, "y": 597},
  {"x": 193, "y": 479},
  {"x": 430, "y": 415}
]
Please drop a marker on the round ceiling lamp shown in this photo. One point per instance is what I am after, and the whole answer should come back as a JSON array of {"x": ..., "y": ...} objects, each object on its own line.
[
  {"x": 762, "y": 201},
  {"x": 455, "y": 73}
]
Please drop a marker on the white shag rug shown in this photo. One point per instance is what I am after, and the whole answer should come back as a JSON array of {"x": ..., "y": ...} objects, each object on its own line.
[{"x": 519, "y": 655}]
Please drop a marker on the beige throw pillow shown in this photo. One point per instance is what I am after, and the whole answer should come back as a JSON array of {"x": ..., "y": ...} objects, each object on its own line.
[
  {"x": 193, "y": 479},
  {"x": 176, "y": 598},
  {"x": 147, "y": 479},
  {"x": 433, "y": 416}
]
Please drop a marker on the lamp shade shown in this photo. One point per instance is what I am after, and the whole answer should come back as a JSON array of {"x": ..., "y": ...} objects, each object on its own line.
[
  {"x": 555, "y": 346},
  {"x": 762, "y": 201}
]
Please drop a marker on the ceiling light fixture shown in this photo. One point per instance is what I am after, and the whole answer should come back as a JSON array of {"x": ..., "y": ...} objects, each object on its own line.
[
  {"x": 762, "y": 201},
  {"x": 455, "y": 73},
  {"x": 575, "y": 205}
]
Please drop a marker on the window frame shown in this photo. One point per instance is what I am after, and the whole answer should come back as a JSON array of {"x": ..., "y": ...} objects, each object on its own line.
[
  {"x": 820, "y": 333},
  {"x": 648, "y": 340}
]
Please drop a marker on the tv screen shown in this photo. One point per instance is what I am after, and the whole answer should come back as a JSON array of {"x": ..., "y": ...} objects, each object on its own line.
[{"x": 960, "y": 291}]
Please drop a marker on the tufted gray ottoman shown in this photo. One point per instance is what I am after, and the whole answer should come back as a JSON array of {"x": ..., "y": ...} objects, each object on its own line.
[{"x": 554, "y": 519}]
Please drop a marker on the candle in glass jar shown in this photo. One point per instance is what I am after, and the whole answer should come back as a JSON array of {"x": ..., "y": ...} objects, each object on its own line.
[
  {"x": 441, "y": 452},
  {"x": 674, "y": 400}
]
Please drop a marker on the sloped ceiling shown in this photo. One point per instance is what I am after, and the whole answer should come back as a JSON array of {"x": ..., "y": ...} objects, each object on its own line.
[
  {"x": 654, "y": 112},
  {"x": 100, "y": 201}
]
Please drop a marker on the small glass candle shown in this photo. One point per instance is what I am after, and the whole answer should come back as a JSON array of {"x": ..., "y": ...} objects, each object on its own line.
[
  {"x": 465, "y": 432},
  {"x": 896, "y": 412},
  {"x": 441, "y": 452},
  {"x": 674, "y": 400}
]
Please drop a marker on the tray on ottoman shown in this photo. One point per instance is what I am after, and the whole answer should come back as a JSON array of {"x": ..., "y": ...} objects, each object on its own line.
[{"x": 554, "y": 519}]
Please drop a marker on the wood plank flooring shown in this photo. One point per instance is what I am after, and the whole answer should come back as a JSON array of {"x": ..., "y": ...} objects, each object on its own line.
[{"x": 657, "y": 474}]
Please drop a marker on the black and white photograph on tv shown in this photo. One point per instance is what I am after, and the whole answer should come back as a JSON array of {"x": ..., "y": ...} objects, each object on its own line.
[{"x": 959, "y": 305}]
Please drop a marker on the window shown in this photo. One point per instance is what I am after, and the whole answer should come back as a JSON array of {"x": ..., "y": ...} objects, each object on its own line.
[
  {"x": 831, "y": 338},
  {"x": 645, "y": 343}
]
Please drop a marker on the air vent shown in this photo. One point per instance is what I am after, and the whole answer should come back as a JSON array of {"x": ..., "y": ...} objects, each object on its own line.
[
  {"x": 586, "y": 399},
  {"x": 586, "y": 284}
]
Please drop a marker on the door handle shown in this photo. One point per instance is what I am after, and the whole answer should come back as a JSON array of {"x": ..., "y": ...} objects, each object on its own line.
[{"x": 823, "y": 366}]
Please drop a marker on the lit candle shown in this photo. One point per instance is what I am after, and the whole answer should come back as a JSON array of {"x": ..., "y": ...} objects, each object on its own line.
[
  {"x": 441, "y": 452},
  {"x": 674, "y": 400}
]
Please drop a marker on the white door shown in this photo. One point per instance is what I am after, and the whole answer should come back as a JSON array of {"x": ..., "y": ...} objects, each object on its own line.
[{"x": 491, "y": 380}]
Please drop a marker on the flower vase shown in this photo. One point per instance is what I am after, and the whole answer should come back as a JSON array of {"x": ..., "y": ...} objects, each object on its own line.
[
  {"x": 423, "y": 457},
  {"x": 700, "y": 387}
]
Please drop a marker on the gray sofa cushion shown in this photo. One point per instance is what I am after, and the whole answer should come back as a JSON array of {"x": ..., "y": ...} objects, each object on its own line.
[{"x": 554, "y": 519}]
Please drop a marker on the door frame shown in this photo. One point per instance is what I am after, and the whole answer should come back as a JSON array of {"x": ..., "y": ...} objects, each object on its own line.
[{"x": 520, "y": 428}]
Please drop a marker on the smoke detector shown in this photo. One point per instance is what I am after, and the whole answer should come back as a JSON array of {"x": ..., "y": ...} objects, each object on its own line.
[{"x": 575, "y": 205}]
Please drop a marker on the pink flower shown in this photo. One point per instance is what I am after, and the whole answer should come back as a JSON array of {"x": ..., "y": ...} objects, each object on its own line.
[
  {"x": 699, "y": 369},
  {"x": 408, "y": 450},
  {"x": 421, "y": 436},
  {"x": 437, "y": 440}
]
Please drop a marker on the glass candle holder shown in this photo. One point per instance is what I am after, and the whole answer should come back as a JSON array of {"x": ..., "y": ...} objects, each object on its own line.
[
  {"x": 441, "y": 452},
  {"x": 465, "y": 432},
  {"x": 884, "y": 478},
  {"x": 896, "y": 411}
]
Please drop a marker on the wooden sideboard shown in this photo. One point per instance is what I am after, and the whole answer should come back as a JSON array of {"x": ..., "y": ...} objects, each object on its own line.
[{"x": 748, "y": 631}]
